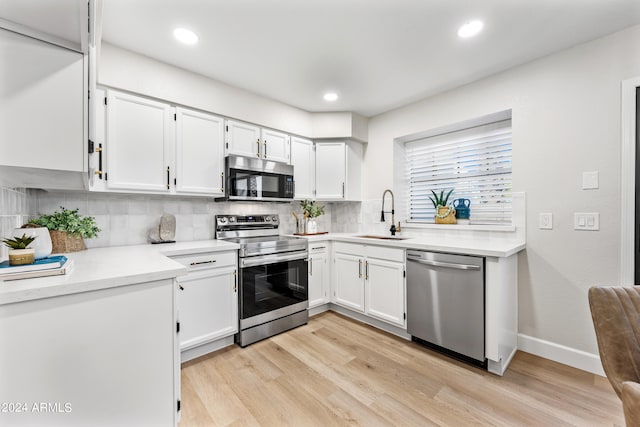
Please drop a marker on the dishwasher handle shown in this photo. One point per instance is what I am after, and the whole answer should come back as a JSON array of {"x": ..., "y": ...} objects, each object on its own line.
[{"x": 444, "y": 264}]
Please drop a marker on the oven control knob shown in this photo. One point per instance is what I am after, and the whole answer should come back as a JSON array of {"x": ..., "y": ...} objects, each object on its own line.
[
  {"x": 232, "y": 219},
  {"x": 274, "y": 219},
  {"x": 267, "y": 218},
  {"x": 222, "y": 220}
]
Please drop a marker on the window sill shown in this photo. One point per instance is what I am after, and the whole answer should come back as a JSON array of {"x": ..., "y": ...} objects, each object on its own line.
[{"x": 474, "y": 227}]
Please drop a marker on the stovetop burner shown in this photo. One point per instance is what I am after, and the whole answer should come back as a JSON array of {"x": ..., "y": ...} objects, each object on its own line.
[{"x": 256, "y": 234}]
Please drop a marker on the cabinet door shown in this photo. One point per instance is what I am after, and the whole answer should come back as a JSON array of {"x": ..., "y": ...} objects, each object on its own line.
[
  {"x": 207, "y": 306},
  {"x": 275, "y": 146},
  {"x": 318, "y": 279},
  {"x": 243, "y": 139},
  {"x": 140, "y": 143},
  {"x": 330, "y": 170},
  {"x": 199, "y": 153},
  {"x": 41, "y": 105},
  {"x": 98, "y": 159},
  {"x": 385, "y": 290},
  {"x": 303, "y": 160},
  {"x": 349, "y": 281}
]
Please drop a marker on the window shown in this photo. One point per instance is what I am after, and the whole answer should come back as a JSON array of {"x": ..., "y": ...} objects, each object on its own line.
[{"x": 474, "y": 162}]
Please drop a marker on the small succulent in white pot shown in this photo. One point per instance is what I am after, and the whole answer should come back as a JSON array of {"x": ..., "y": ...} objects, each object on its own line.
[{"x": 19, "y": 251}]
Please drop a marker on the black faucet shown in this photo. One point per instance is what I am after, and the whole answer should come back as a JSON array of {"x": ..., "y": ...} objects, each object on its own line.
[{"x": 393, "y": 211}]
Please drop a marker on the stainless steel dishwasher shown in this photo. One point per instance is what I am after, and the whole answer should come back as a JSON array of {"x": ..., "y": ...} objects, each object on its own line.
[{"x": 445, "y": 302}]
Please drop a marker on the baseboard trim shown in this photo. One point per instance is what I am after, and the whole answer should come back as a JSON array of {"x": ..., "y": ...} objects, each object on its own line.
[{"x": 562, "y": 354}]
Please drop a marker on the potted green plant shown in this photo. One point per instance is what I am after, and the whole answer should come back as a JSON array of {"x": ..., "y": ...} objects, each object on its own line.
[
  {"x": 445, "y": 213},
  {"x": 67, "y": 229},
  {"x": 19, "y": 251},
  {"x": 311, "y": 210}
]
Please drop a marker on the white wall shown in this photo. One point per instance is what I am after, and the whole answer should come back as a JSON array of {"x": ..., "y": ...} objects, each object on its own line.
[
  {"x": 566, "y": 120},
  {"x": 123, "y": 69}
]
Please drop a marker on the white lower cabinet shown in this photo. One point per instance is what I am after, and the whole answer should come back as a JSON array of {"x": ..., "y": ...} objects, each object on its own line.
[
  {"x": 370, "y": 280},
  {"x": 207, "y": 300},
  {"x": 319, "y": 274},
  {"x": 348, "y": 282},
  {"x": 385, "y": 290},
  {"x": 104, "y": 357}
]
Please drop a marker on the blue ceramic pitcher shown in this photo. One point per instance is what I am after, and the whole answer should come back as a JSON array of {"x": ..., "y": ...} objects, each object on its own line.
[{"x": 462, "y": 208}]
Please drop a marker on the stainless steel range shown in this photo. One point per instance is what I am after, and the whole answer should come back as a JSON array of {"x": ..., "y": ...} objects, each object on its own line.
[{"x": 273, "y": 278}]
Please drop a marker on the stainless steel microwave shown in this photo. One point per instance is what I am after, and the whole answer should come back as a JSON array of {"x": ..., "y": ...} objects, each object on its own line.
[{"x": 258, "y": 180}]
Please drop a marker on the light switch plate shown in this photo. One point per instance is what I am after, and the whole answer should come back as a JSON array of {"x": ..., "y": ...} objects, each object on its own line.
[
  {"x": 546, "y": 221},
  {"x": 590, "y": 180},
  {"x": 587, "y": 221}
]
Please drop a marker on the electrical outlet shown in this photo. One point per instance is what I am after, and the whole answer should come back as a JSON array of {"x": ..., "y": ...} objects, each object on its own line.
[
  {"x": 546, "y": 221},
  {"x": 587, "y": 221}
]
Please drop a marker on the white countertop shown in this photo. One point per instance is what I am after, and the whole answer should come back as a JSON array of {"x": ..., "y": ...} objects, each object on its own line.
[
  {"x": 479, "y": 247},
  {"x": 103, "y": 268}
]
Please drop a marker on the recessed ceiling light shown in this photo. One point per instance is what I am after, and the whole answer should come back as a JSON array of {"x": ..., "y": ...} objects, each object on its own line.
[
  {"x": 185, "y": 36},
  {"x": 330, "y": 96},
  {"x": 470, "y": 29}
]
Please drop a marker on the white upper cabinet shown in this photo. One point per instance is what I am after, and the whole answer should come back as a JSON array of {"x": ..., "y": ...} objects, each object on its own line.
[
  {"x": 42, "y": 98},
  {"x": 199, "y": 153},
  {"x": 140, "y": 143},
  {"x": 330, "y": 171},
  {"x": 275, "y": 146},
  {"x": 243, "y": 139},
  {"x": 303, "y": 159},
  {"x": 339, "y": 170}
]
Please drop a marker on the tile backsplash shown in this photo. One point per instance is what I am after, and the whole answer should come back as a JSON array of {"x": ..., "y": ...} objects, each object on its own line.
[
  {"x": 125, "y": 219},
  {"x": 16, "y": 206}
]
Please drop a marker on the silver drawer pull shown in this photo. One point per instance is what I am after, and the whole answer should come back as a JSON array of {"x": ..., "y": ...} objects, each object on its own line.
[
  {"x": 319, "y": 247},
  {"x": 203, "y": 262}
]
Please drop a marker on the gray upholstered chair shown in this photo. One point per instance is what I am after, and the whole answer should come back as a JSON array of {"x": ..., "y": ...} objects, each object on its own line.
[{"x": 616, "y": 318}]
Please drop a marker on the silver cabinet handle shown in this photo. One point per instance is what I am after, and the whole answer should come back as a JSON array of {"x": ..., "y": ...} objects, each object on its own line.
[
  {"x": 258, "y": 142},
  {"x": 235, "y": 281},
  {"x": 445, "y": 264},
  {"x": 310, "y": 266},
  {"x": 343, "y": 190},
  {"x": 222, "y": 182},
  {"x": 359, "y": 268},
  {"x": 319, "y": 247},
  {"x": 203, "y": 262},
  {"x": 366, "y": 270},
  {"x": 265, "y": 149}
]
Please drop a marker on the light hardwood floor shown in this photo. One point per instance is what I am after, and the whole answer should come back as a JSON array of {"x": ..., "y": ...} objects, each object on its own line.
[{"x": 336, "y": 371}]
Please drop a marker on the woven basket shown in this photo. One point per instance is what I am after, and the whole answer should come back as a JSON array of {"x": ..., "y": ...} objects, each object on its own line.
[
  {"x": 449, "y": 219},
  {"x": 63, "y": 242}
]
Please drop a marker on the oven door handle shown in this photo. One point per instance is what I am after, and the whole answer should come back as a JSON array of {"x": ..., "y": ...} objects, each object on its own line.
[{"x": 272, "y": 259}]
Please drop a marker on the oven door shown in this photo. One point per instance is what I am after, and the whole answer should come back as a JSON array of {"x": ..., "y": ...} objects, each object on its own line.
[
  {"x": 272, "y": 286},
  {"x": 254, "y": 185}
]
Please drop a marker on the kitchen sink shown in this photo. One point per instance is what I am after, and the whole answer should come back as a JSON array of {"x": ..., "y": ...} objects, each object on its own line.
[{"x": 373, "y": 236}]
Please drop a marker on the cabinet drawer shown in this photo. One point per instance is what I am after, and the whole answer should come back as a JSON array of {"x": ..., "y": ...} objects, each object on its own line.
[
  {"x": 207, "y": 260},
  {"x": 349, "y": 248},
  {"x": 389, "y": 254},
  {"x": 318, "y": 247}
]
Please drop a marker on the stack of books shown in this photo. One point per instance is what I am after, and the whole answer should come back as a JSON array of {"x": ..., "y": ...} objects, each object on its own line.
[{"x": 50, "y": 266}]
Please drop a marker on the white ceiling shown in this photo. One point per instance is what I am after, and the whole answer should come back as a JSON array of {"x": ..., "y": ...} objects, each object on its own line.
[{"x": 376, "y": 54}]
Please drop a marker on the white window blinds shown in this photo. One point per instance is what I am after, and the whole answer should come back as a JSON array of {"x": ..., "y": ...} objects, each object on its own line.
[{"x": 475, "y": 162}]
